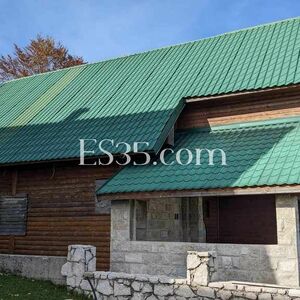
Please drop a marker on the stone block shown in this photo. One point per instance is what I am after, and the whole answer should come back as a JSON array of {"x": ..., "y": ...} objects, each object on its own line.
[
  {"x": 153, "y": 279},
  {"x": 240, "y": 287},
  {"x": 282, "y": 291},
  {"x": 133, "y": 257},
  {"x": 264, "y": 296},
  {"x": 117, "y": 256},
  {"x": 184, "y": 291},
  {"x": 147, "y": 288},
  {"x": 163, "y": 289},
  {"x": 105, "y": 288},
  {"x": 200, "y": 275},
  {"x": 84, "y": 285},
  {"x": 120, "y": 267},
  {"x": 206, "y": 292},
  {"x": 251, "y": 296},
  {"x": 78, "y": 253},
  {"x": 294, "y": 293},
  {"x": 281, "y": 297},
  {"x": 269, "y": 290},
  {"x": 137, "y": 285},
  {"x": 218, "y": 285},
  {"x": 71, "y": 281},
  {"x": 141, "y": 277},
  {"x": 151, "y": 297},
  {"x": 135, "y": 268},
  {"x": 165, "y": 279},
  {"x": 121, "y": 289},
  {"x": 137, "y": 296},
  {"x": 229, "y": 286},
  {"x": 180, "y": 281},
  {"x": 287, "y": 265},
  {"x": 230, "y": 249},
  {"x": 66, "y": 269},
  {"x": 193, "y": 260},
  {"x": 78, "y": 268},
  {"x": 253, "y": 288},
  {"x": 224, "y": 294}
]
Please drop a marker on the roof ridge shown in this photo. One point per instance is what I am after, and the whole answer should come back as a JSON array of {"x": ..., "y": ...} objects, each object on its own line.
[{"x": 160, "y": 48}]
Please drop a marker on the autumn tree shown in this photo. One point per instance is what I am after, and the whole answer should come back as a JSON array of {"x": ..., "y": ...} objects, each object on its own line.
[{"x": 41, "y": 55}]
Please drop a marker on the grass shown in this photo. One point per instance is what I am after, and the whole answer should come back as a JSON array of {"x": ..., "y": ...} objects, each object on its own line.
[{"x": 16, "y": 287}]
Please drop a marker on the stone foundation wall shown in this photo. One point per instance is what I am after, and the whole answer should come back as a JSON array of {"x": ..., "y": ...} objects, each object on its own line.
[
  {"x": 36, "y": 267},
  {"x": 122, "y": 286},
  {"x": 273, "y": 264},
  {"x": 197, "y": 285}
]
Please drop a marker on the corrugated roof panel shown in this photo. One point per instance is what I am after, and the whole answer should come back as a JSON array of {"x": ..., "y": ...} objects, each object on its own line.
[
  {"x": 134, "y": 98},
  {"x": 257, "y": 154},
  {"x": 19, "y": 102}
]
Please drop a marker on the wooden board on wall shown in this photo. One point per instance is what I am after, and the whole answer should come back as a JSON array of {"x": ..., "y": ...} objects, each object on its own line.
[{"x": 13, "y": 215}]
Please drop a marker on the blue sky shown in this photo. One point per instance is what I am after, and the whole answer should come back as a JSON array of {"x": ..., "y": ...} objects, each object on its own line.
[{"x": 101, "y": 29}]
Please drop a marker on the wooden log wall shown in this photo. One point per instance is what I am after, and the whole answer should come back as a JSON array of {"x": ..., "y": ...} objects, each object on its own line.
[
  {"x": 242, "y": 108},
  {"x": 61, "y": 210}
]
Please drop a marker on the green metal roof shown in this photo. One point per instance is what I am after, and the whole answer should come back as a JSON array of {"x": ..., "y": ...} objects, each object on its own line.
[
  {"x": 257, "y": 154},
  {"x": 138, "y": 97}
]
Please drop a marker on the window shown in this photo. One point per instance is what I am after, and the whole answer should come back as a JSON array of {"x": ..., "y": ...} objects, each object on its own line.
[
  {"x": 13, "y": 215},
  {"x": 166, "y": 219}
]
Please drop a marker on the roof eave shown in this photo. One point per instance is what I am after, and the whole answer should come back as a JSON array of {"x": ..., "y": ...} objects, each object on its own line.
[
  {"x": 257, "y": 190},
  {"x": 256, "y": 92}
]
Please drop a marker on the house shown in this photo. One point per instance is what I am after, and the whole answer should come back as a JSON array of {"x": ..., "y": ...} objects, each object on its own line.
[{"x": 235, "y": 97}]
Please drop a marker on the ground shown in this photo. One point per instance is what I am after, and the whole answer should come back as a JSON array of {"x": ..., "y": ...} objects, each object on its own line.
[{"x": 15, "y": 287}]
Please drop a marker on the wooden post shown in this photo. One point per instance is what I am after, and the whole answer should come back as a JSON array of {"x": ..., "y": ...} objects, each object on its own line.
[{"x": 14, "y": 182}]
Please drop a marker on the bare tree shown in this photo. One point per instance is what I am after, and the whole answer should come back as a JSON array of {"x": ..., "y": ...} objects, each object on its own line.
[{"x": 41, "y": 55}]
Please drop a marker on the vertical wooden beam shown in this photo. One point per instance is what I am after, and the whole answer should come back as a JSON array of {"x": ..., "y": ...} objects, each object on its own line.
[
  {"x": 201, "y": 224},
  {"x": 14, "y": 182},
  {"x": 133, "y": 220},
  {"x": 218, "y": 219}
]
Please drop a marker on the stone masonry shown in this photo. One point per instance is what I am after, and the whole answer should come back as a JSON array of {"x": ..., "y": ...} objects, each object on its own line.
[
  {"x": 81, "y": 259},
  {"x": 272, "y": 264},
  {"x": 200, "y": 267},
  {"x": 34, "y": 266},
  {"x": 121, "y": 286}
]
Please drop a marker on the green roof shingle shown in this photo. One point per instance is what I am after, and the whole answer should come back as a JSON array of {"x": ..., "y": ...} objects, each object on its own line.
[
  {"x": 137, "y": 97},
  {"x": 257, "y": 154}
]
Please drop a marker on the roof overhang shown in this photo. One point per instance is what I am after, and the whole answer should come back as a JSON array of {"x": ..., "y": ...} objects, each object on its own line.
[
  {"x": 284, "y": 189},
  {"x": 288, "y": 89}
]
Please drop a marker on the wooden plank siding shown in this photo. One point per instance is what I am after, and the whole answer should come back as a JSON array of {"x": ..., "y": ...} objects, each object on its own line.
[
  {"x": 61, "y": 211},
  {"x": 242, "y": 108}
]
